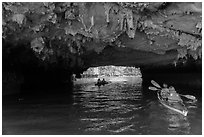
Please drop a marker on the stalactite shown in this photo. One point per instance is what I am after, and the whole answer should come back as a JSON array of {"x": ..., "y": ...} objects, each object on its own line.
[
  {"x": 92, "y": 23},
  {"x": 107, "y": 8},
  {"x": 130, "y": 24}
]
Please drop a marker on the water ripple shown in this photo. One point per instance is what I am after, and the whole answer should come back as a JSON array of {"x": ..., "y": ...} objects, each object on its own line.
[
  {"x": 120, "y": 108},
  {"x": 112, "y": 107}
]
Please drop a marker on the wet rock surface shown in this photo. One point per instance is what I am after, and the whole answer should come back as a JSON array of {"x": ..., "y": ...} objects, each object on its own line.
[{"x": 45, "y": 36}]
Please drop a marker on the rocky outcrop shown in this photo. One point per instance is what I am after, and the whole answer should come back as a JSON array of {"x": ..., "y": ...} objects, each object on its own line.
[
  {"x": 73, "y": 36},
  {"x": 152, "y": 27}
]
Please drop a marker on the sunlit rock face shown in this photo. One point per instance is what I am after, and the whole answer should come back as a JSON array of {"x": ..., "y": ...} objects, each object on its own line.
[
  {"x": 80, "y": 34},
  {"x": 111, "y": 71}
]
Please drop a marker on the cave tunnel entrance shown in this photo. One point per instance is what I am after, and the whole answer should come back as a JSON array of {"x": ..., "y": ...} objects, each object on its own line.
[{"x": 109, "y": 73}]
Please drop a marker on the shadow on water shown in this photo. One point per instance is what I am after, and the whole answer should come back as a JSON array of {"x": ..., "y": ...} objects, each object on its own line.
[{"x": 124, "y": 106}]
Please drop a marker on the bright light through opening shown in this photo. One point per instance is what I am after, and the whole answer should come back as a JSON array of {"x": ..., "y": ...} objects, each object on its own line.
[
  {"x": 111, "y": 71},
  {"x": 111, "y": 74}
]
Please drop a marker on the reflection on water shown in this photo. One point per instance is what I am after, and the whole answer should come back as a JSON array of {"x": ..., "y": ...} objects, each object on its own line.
[
  {"x": 168, "y": 121},
  {"x": 109, "y": 108},
  {"x": 120, "y": 107},
  {"x": 178, "y": 122}
]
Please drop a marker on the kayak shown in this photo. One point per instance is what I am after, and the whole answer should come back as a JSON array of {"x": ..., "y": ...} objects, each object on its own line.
[
  {"x": 178, "y": 107},
  {"x": 101, "y": 83}
]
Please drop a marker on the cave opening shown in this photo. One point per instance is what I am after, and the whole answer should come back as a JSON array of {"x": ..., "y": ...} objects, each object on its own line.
[
  {"x": 111, "y": 70},
  {"x": 108, "y": 74}
]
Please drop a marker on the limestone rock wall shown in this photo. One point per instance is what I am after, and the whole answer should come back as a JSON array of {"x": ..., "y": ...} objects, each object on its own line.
[{"x": 69, "y": 30}]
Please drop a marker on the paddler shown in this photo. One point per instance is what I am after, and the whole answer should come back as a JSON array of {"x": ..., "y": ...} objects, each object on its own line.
[
  {"x": 165, "y": 91},
  {"x": 98, "y": 81},
  {"x": 103, "y": 81},
  {"x": 173, "y": 95}
]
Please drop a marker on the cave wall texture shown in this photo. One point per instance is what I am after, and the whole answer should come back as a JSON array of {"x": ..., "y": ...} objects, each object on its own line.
[{"x": 68, "y": 37}]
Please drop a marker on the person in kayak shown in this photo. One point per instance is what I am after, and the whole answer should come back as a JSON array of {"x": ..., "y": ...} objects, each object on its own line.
[
  {"x": 173, "y": 95},
  {"x": 99, "y": 81},
  {"x": 104, "y": 82},
  {"x": 165, "y": 92}
]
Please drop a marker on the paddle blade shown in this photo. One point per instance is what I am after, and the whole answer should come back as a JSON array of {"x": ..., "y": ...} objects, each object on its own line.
[
  {"x": 190, "y": 97},
  {"x": 155, "y": 84},
  {"x": 153, "y": 88}
]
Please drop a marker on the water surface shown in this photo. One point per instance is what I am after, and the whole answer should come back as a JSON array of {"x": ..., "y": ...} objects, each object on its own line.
[{"x": 121, "y": 107}]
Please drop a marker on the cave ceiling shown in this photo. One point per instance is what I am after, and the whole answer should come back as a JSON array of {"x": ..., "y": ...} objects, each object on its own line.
[{"x": 138, "y": 33}]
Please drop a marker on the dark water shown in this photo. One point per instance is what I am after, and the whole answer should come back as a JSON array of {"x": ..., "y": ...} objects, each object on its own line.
[{"x": 122, "y": 107}]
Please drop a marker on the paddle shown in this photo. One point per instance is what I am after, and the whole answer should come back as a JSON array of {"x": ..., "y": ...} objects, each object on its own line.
[
  {"x": 153, "y": 88},
  {"x": 157, "y": 85},
  {"x": 188, "y": 96}
]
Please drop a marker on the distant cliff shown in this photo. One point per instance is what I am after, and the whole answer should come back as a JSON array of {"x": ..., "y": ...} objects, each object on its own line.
[{"x": 111, "y": 71}]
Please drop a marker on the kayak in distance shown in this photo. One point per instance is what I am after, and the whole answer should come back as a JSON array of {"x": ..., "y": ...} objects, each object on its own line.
[{"x": 101, "y": 83}]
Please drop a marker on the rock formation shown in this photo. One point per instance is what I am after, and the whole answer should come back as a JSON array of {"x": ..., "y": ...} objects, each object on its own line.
[{"x": 71, "y": 36}]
